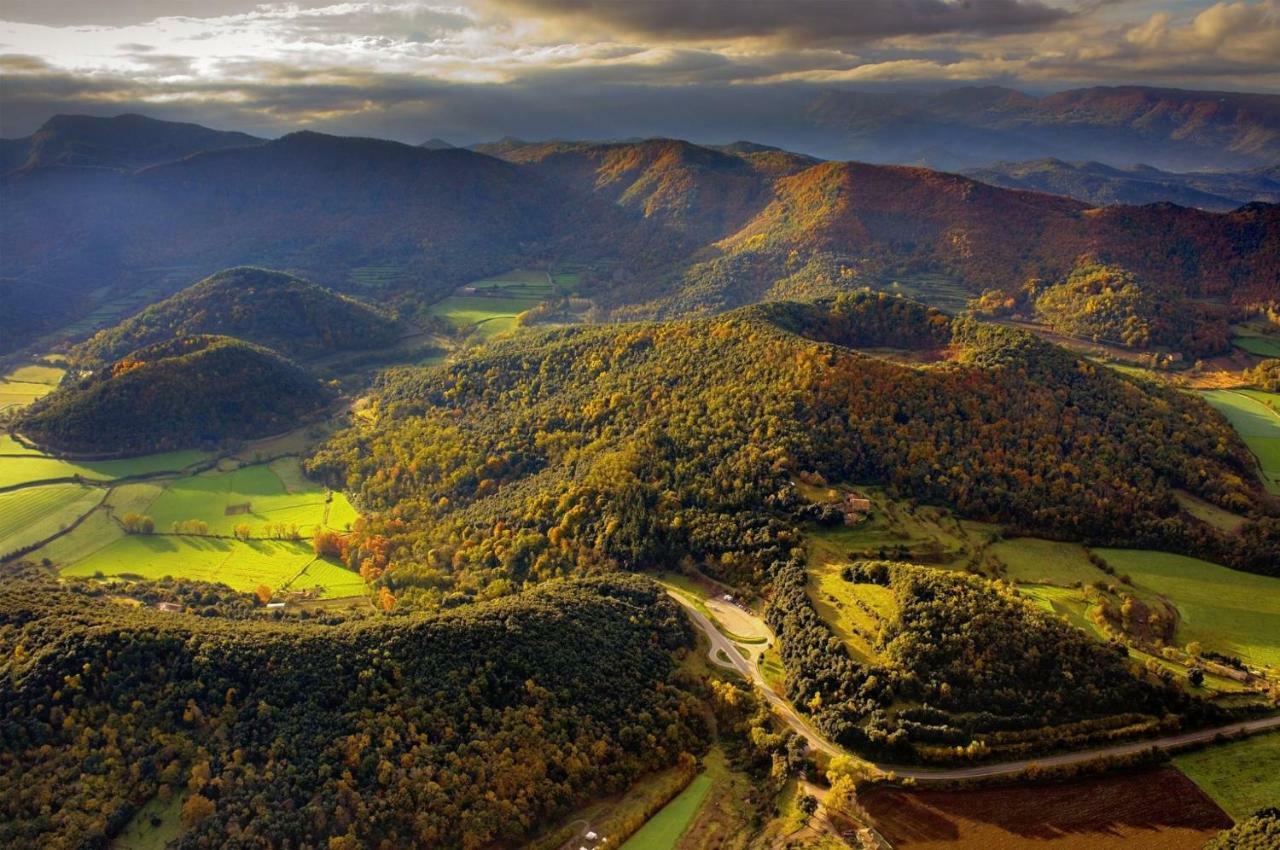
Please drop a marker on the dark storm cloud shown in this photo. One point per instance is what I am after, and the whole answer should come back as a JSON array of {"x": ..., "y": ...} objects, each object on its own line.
[{"x": 798, "y": 21}]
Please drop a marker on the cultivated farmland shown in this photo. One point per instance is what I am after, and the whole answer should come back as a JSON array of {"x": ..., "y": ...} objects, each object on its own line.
[
  {"x": 1160, "y": 810},
  {"x": 33, "y": 514},
  {"x": 27, "y": 383}
]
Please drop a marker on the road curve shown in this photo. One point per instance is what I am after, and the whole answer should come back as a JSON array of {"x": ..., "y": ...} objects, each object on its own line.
[{"x": 750, "y": 671}]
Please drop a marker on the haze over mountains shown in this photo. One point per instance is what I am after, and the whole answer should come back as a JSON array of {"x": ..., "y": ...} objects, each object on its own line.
[{"x": 113, "y": 205}]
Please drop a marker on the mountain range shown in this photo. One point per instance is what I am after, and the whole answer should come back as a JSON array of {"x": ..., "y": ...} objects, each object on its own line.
[{"x": 667, "y": 227}]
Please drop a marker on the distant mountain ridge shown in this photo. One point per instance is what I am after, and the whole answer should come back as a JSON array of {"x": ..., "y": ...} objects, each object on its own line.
[
  {"x": 666, "y": 227},
  {"x": 125, "y": 142},
  {"x": 1102, "y": 185},
  {"x": 1170, "y": 129}
]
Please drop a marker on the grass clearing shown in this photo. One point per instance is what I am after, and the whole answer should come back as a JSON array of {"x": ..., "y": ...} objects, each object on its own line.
[
  {"x": 1241, "y": 777},
  {"x": 1209, "y": 513},
  {"x": 663, "y": 830},
  {"x": 1263, "y": 346},
  {"x": 154, "y": 826},
  {"x": 33, "y": 514},
  {"x": 1151, "y": 810},
  {"x": 854, "y": 612},
  {"x": 25, "y": 384},
  {"x": 241, "y": 565},
  {"x": 252, "y": 495},
  {"x": 1035, "y": 561},
  {"x": 337, "y": 582},
  {"x": 1254, "y": 416},
  {"x": 1225, "y": 610},
  {"x": 483, "y": 315}
]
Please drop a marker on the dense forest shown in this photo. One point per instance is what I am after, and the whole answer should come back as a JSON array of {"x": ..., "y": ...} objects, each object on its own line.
[
  {"x": 640, "y": 445},
  {"x": 967, "y": 669},
  {"x": 181, "y": 393},
  {"x": 269, "y": 308},
  {"x": 468, "y": 729}
]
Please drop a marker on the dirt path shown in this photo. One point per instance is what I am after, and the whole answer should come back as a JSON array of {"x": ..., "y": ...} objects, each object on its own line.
[{"x": 722, "y": 648}]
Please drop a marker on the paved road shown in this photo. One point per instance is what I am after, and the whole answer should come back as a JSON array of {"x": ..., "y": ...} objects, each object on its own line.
[{"x": 749, "y": 670}]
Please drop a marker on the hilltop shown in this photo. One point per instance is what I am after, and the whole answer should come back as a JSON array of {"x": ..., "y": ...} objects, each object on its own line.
[
  {"x": 174, "y": 394},
  {"x": 269, "y": 308},
  {"x": 125, "y": 142},
  {"x": 643, "y": 444}
]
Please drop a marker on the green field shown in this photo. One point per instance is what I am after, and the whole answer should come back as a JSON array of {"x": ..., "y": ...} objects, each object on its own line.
[
  {"x": 1254, "y": 417},
  {"x": 36, "y": 467},
  {"x": 663, "y": 830},
  {"x": 1032, "y": 560},
  {"x": 483, "y": 315},
  {"x": 1225, "y": 610},
  {"x": 250, "y": 494},
  {"x": 241, "y": 565},
  {"x": 10, "y": 446},
  {"x": 844, "y": 606},
  {"x": 1263, "y": 346},
  {"x": 32, "y": 514},
  {"x": 1241, "y": 777},
  {"x": 27, "y": 383}
]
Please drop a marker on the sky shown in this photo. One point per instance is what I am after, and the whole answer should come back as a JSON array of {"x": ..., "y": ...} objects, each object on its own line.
[{"x": 482, "y": 69}]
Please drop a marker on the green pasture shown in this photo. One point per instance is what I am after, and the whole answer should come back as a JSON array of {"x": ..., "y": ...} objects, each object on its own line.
[
  {"x": 210, "y": 495},
  {"x": 337, "y": 581},
  {"x": 241, "y": 565},
  {"x": 1241, "y": 777},
  {"x": 1263, "y": 346},
  {"x": 663, "y": 830},
  {"x": 38, "y": 467},
  {"x": 486, "y": 316},
  {"x": 1035, "y": 561},
  {"x": 1225, "y": 610},
  {"x": 1253, "y": 415},
  {"x": 10, "y": 446},
  {"x": 32, "y": 514}
]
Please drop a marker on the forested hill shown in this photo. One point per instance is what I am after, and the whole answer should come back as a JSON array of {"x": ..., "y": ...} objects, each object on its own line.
[
  {"x": 180, "y": 393},
  {"x": 269, "y": 308},
  {"x": 466, "y": 730},
  {"x": 643, "y": 444}
]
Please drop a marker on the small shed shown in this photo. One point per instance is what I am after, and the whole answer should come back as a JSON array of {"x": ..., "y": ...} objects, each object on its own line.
[{"x": 169, "y": 607}]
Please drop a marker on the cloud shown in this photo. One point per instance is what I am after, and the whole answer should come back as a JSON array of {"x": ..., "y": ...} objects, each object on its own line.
[{"x": 796, "y": 22}]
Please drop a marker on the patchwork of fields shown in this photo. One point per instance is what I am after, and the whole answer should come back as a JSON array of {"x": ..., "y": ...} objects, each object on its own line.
[{"x": 83, "y": 514}]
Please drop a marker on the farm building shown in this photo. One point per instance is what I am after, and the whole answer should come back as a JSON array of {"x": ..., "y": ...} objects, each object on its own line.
[{"x": 169, "y": 607}]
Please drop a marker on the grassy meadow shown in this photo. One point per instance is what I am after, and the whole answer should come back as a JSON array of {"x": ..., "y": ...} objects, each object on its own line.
[
  {"x": 663, "y": 830},
  {"x": 1225, "y": 610},
  {"x": 1035, "y": 561},
  {"x": 1241, "y": 777},
  {"x": 33, "y": 514},
  {"x": 489, "y": 306},
  {"x": 1254, "y": 415},
  {"x": 28, "y": 383}
]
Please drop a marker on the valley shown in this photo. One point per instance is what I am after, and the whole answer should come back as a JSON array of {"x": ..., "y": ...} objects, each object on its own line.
[{"x": 639, "y": 494}]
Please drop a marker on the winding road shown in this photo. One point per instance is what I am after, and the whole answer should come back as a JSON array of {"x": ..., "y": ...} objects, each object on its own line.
[{"x": 722, "y": 646}]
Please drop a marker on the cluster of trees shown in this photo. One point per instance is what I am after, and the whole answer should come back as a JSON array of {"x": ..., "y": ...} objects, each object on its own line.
[
  {"x": 175, "y": 394},
  {"x": 1265, "y": 376},
  {"x": 1261, "y": 831},
  {"x": 469, "y": 729},
  {"x": 639, "y": 445},
  {"x": 1107, "y": 303},
  {"x": 135, "y": 523},
  {"x": 270, "y": 531},
  {"x": 967, "y": 668},
  {"x": 268, "y": 308}
]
